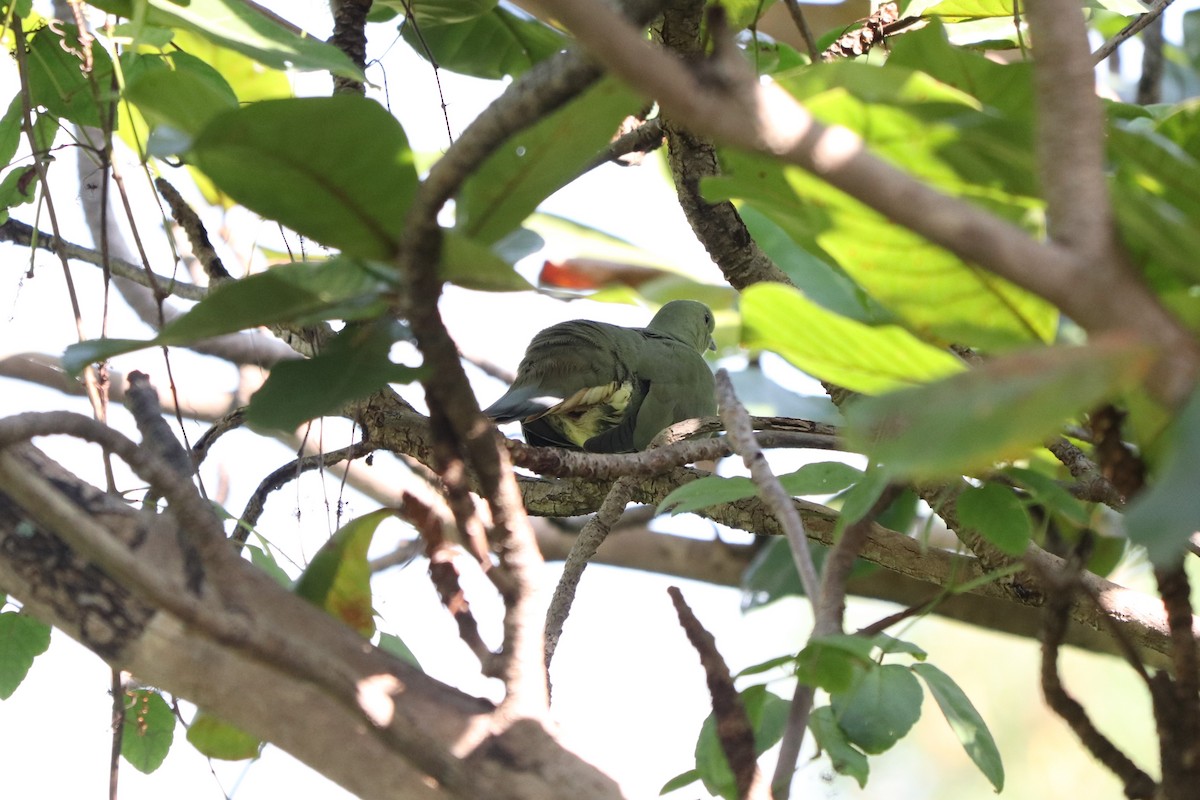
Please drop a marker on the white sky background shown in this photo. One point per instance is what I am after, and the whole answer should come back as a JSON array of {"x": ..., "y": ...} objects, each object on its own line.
[{"x": 628, "y": 690}]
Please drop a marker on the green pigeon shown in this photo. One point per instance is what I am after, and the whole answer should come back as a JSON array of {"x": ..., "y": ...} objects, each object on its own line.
[{"x": 607, "y": 389}]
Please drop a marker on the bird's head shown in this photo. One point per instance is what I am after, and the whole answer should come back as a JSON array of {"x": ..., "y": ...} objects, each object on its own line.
[{"x": 688, "y": 321}]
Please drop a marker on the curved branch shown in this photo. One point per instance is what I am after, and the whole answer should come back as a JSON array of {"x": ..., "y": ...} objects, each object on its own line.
[{"x": 718, "y": 226}]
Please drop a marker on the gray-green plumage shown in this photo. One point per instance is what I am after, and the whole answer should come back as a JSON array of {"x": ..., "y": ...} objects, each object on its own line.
[{"x": 608, "y": 389}]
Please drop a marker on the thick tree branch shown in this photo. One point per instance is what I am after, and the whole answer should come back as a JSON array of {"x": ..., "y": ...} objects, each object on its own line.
[{"x": 363, "y": 718}]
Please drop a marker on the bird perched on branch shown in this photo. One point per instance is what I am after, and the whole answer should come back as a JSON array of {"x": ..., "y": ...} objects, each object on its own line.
[{"x": 608, "y": 389}]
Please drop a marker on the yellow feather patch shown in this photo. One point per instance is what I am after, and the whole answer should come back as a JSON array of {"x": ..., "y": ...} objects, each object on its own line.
[{"x": 589, "y": 412}]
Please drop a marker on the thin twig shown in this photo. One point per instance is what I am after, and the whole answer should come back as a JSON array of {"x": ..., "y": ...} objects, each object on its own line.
[
  {"x": 586, "y": 544},
  {"x": 431, "y": 519},
  {"x": 1108, "y": 48},
  {"x": 289, "y": 472},
  {"x": 810, "y": 41},
  {"x": 737, "y": 423}
]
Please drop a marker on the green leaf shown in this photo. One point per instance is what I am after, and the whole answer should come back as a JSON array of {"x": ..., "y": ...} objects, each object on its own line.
[
  {"x": 830, "y": 667},
  {"x": 880, "y": 708},
  {"x": 845, "y": 757},
  {"x": 942, "y": 135},
  {"x": 772, "y": 574},
  {"x": 815, "y": 276},
  {"x": 832, "y": 348},
  {"x": 1167, "y": 512},
  {"x": 262, "y": 557},
  {"x": 220, "y": 740},
  {"x": 862, "y": 496},
  {"x": 301, "y": 293},
  {"x": 239, "y": 27},
  {"x": 958, "y": 10},
  {"x": 992, "y": 413},
  {"x": 994, "y": 511},
  {"x": 538, "y": 161},
  {"x": 493, "y": 45},
  {"x": 185, "y": 97},
  {"x": 336, "y": 169},
  {"x": 149, "y": 729},
  {"x": 338, "y": 579},
  {"x": 22, "y": 639},
  {"x": 393, "y": 644},
  {"x": 1050, "y": 493},
  {"x": 679, "y": 781},
  {"x": 10, "y": 129},
  {"x": 705, "y": 492},
  {"x": 472, "y": 265},
  {"x": 835, "y": 662},
  {"x": 824, "y": 477},
  {"x": 768, "y": 717},
  {"x": 964, "y": 720},
  {"x": 353, "y": 365},
  {"x": 57, "y": 80}
]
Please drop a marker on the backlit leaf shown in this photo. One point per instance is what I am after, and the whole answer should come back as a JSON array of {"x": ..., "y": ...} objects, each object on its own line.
[
  {"x": 965, "y": 721},
  {"x": 992, "y": 413},
  {"x": 149, "y": 729},
  {"x": 833, "y": 348},
  {"x": 338, "y": 579},
  {"x": 337, "y": 169}
]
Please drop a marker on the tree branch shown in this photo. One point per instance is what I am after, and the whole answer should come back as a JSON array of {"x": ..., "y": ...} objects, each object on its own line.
[
  {"x": 692, "y": 158},
  {"x": 365, "y": 719}
]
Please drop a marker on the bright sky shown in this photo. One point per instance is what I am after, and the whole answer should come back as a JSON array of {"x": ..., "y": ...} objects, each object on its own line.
[{"x": 628, "y": 691}]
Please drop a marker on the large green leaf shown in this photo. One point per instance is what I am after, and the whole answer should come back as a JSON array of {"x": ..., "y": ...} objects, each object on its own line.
[
  {"x": 536, "y": 162},
  {"x": 149, "y": 729},
  {"x": 241, "y": 27},
  {"x": 494, "y": 44},
  {"x": 338, "y": 579},
  {"x": 965, "y": 721},
  {"x": 300, "y": 293},
  {"x": 1156, "y": 197},
  {"x": 472, "y": 265},
  {"x": 959, "y": 10},
  {"x": 994, "y": 412},
  {"x": 880, "y": 708},
  {"x": 832, "y": 348},
  {"x": 337, "y": 169},
  {"x": 1167, "y": 513},
  {"x": 941, "y": 134},
  {"x": 353, "y": 365},
  {"x": 182, "y": 92},
  {"x": 22, "y": 639}
]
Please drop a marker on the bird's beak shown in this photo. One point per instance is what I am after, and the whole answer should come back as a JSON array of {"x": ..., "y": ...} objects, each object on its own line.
[{"x": 711, "y": 344}]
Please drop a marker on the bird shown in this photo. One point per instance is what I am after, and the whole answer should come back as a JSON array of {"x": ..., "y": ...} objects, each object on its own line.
[{"x": 605, "y": 388}]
